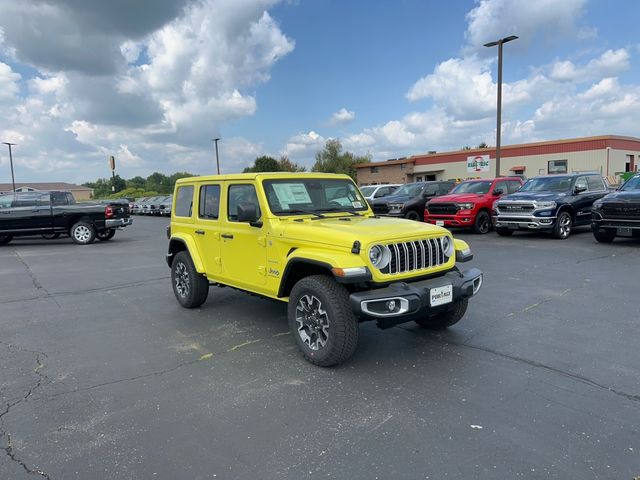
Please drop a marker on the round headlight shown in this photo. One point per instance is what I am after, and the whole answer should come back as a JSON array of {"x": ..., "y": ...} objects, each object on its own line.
[
  {"x": 379, "y": 256},
  {"x": 447, "y": 247}
]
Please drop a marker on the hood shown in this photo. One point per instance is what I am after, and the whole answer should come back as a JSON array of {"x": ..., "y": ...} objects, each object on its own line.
[
  {"x": 542, "y": 196},
  {"x": 460, "y": 198},
  {"x": 391, "y": 199},
  {"x": 343, "y": 232},
  {"x": 631, "y": 196}
]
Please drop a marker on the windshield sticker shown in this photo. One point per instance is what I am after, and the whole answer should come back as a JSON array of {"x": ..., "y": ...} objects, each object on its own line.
[
  {"x": 356, "y": 204},
  {"x": 289, "y": 193}
]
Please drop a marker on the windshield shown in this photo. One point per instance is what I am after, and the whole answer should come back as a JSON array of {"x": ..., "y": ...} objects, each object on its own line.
[
  {"x": 367, "y": 191},
  {"x": 306, "y": 195},
  {"x": 632, "y": 184},
  {"x": 410, "y": 190},
  {"x": 472, "y": 187},
  {"x": 547, "y": 184}
]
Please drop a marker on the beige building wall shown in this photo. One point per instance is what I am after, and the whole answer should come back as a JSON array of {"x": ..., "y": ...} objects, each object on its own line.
[{"x": 381, "y": 174}]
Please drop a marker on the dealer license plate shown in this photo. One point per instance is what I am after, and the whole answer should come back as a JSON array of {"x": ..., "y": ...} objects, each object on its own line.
[
  {"x": 624, "y": 232},
  {"x": 440, "y": 223},
  {"x": 440, "y": 295}
]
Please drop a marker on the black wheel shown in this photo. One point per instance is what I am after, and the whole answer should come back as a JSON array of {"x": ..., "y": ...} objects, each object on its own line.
[
  {"x": 82, "y": 233},
  {"x": 190, "y": 288},
  {"x": 413, "y": 215},
  {"x": 50, "y": 236},
  {"x": 562, "y": 228},
  {"x": 482, "y": 224},
  {"x": 604, "y": 235},
  {"x": 504, "y": 232},
  {"x": 446, "y": 319},
  {"x": 321, "y": 320},
  {"x": 4, "y": 239},
  {"x": 105, "y": 235}
]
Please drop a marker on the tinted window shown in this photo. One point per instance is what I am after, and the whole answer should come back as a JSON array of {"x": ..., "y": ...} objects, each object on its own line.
[
  {"x": 6, "y": 201},
  {"x": 44, "y": 200},
  {"x": 184, "y": 201},
  {"x": 513, "y": 186},
  {"x": 25, "y": 200},
  {"x": 581, "y": 182},
  {"x": 445, "y": 188},
  {"x": 59, "y": 198},
  {"x": 480, "y": 187},
  {"x": 367, "y": 191},
  {"x": 595, "y": 183},
  {"x": 410, "y": 189},
  {"x": 504, "y": 186},
  {"x": 631, "y": 184},
  {"x": 547, "y": 184},
  {"x": 430, "y": 190},
  {"x": 209, "y": 201},
  {"x": 238, "y": 195}
]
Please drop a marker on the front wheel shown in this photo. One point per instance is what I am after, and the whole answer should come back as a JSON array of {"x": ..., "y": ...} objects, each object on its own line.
[
  {"x": 604, "y": 235},
  {"x": 83, "y": 233},
  {"x": 482, "y": 225},
  {"x": 321, "y": 320},
  {"x": 4, "y": 239},
  {"x": 105, "y": 235},
  {"x": 190, "y": 288},
  {"x": 413, "y": 215},
  {"x": 562, "y": 228},
  {"x": 446, "y": 319}
]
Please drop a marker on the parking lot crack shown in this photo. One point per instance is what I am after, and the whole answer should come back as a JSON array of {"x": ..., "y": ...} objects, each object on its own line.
[{"x": 37, "y": 285}]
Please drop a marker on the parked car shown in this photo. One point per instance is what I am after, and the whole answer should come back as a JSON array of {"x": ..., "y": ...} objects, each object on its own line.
[
  {"x": 51, "y": 214},
  {"x": 371, "y": 192},
  {"x": 336, "y": 264},
  {"x": 149, "y": 205},
  {"x": 409, "y": 200},
  {"x": 136, "y": 206},
  {"x": 470, "y": 203},
  {"x": 553, "y": 203},
  {"x": 165, "y": 206},
  {"x": 618, "y": 213}
]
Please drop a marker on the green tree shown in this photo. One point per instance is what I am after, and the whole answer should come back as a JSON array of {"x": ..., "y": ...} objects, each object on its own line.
[
  {"x": 331, "y": 159},
  {"x": 287, "y": 165},
  {"x": 159, "y": 182},
  {"x": 483, "y": 145},
  {"x": 466, "y": 147},
  {"x": 264, "y": 163},
  {"x": 136, "y": 182}
]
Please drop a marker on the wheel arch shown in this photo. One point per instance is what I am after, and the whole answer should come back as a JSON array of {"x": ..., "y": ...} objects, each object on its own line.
[
  {"x": 299, "y": 268},
  {"x": 183, "y": 243}
]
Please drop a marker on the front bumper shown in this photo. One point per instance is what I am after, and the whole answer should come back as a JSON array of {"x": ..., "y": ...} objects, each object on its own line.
[
  {"x": 414, "y": 300},
  {"x": 460, "y": 221},
  {"x": 118, "y": 222},
  {"x": 599, "y": 221},
  {"x": 524, "y": 222}
]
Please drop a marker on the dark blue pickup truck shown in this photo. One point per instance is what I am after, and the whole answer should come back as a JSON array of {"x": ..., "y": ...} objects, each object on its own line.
[
  {"x": 553, "y": 203},
  {"x": 618, "y": 214},
  {"x": 51, "y": 214}
]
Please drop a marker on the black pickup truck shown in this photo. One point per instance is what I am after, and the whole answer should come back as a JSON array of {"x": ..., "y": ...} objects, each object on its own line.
[
  {"x": 618, "y": 214},
  {"x": 554, "y": 203},
  {"x": 53, "y": 213}
]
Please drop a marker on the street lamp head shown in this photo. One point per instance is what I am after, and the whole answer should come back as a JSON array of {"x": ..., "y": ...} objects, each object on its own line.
[
  {"x": 509, "y": 38},
  {"x": 215, "y": 139},
  {"x": 9, "y": 143},
  {"x": 491, "y": 44},
  {"x": 502, "y": 40}
]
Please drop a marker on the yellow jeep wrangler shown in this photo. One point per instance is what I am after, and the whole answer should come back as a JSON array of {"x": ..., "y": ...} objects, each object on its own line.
[{"x": 310, "y": 239}]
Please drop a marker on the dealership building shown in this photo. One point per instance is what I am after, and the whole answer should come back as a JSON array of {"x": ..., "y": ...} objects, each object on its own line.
[{"x": 611, "y": 155}]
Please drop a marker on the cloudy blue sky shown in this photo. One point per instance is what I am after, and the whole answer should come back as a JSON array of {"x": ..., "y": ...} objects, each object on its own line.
[{"x": 152, "y": 81}]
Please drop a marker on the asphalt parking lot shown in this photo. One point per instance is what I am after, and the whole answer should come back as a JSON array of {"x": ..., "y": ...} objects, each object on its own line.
[{"x": 103, "y": 375}]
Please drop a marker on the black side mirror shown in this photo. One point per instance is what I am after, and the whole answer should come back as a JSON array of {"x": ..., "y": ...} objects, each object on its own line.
[
  {"x": 497, "y": 192},
  {"x": 248, "y": 213},
  {"x": 579, "y": 189}
]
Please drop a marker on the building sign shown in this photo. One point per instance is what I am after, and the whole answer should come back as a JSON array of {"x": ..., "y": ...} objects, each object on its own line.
[{"x": 478, "y": 163}]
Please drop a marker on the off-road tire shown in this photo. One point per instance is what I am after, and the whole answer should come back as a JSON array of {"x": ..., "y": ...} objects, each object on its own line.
[
  {"x": 445, "y": 319},
  {"x": 190, "y": 287},
  {"x": 82, "y": 233},
  {"x": 563, "y": 226},
  {"x": 482, "y": 225},
  {"x": 106, "y": 234},
  {"x": 50, "y": 236},
  {"x": 4, "y": 239},
  {"x": 413, "y": 215},
  {"x": 342, "y": 338},
  {"x": 604, "y": 235},
  {"x": 504, "y": 232}
]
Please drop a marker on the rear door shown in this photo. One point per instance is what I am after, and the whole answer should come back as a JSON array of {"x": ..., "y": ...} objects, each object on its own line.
[
  {"x": 26, "y": 215},
  {"x": 207, "y": 233}
]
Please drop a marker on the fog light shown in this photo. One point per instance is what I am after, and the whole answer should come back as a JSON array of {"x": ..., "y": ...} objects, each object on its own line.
[{"x": 391, "y": 306}]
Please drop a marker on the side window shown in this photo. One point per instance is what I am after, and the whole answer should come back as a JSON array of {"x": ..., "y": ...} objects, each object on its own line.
[
  {"x": 25, "y": 200},
  {"x": 445, "y": 188},
  {"x": 59, "y": 198},
  {"x": 6, "y": 201},
  {"x": 70, "y": 198},
  {"x": 209, "y": 202},
  {"x": 430, "y": 191},
  {"x": 184, "y": 201},
  {"x": 240, "y": 194},
  {"x": 513, "y": 186},
  {"x": 44, "y": 200},
  {"x": 581, "y": 182},
  {"x": 504, "y": 186},
  {"x": 595, "y": 183}
]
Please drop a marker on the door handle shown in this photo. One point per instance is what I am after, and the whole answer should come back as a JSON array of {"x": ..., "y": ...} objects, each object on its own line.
[
  {"x": 227, "y": 235},
  {"x": 200, "y": 232}
]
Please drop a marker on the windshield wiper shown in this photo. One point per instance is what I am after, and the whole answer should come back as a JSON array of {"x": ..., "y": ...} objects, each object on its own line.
[
  {"x": 355, "y": 214},
  {"x": 299, "y": 210}
]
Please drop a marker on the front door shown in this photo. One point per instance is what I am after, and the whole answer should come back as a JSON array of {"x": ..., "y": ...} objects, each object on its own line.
[
  {"x": 207, "y": 231},
  {"x": 582, "y": 202},
  {"x": 243, "y": 247}
]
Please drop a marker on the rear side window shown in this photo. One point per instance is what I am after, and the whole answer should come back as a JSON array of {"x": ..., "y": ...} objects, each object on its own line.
[
  {"x": 514, "y": 186},
  {"x": 209, "y": 202},
  {"x": 44, "y": 200},
  {"x": 184, "y": 201},
  {"x": 25, "y": 200},
  {"x": 595, "y": 183},
  {"x": 59, "y": 198}
]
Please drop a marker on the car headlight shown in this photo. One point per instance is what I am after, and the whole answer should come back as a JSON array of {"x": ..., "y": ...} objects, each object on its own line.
[
  {"x": 379, "y": 256},
  {"x": 546, "y": 204},
  {"x": 597, "y": 205},
  {"x": 465, "y": 206},
  {"x": 448, "y": 247},
  {"x": 396, "y": 206}
]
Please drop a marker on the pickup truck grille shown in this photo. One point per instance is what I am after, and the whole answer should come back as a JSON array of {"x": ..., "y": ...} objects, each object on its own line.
[
  {"x": 442, "y": 208},
  {"x": 510, "y": 208},
  {"x": 621, "y": 211},
  {"x": 415, "y": 255},
  {"x": 380, "y": 208}
]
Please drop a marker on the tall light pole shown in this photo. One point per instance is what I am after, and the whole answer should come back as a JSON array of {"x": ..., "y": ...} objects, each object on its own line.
[
  {"x": 499, "y": 43},
  {"x": 13, "y": 180},
  {"x": 216, "y": 140}
]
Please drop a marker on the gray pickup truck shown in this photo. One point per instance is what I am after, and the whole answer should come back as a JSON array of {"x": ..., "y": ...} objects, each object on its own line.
[{"x": 51, "y": 214}]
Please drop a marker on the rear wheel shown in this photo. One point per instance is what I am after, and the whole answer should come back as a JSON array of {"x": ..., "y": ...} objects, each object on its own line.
[
  {"x": 482, "y": 224},
  {"x": 413, "y": 215},
  {"x": 504, "y": 232},
  {"x": 446, "y": 319},
  {"x": 190, "y": 288},
  {"x": 83, "y": 233},
  {"x": 321, "y": 320},
  {"x": 4, "y": 239},
  {"x": 105, "y": 235},
  {"x": 50, "y": 236},
  {"x": 562, "y": 228},
  {"x": 604, "y": 235}
]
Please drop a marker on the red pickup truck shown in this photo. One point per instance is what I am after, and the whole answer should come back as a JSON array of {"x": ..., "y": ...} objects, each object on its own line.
[{"x": 469, "y": 204}]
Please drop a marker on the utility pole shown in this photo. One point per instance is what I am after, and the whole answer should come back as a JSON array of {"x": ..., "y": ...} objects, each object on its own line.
[
  {"x": 216, "y": 140},
  {"x": 499, "y": 43},
  {"x": 13, "y": 180}
]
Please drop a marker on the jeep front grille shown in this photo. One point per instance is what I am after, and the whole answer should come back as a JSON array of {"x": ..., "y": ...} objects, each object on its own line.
[{"x": 415, "y": 255}]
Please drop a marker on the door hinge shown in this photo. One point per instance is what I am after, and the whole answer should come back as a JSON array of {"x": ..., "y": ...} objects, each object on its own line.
[
  {"x": 262, "y": 241},
  {"x": 262, "y": 270}
]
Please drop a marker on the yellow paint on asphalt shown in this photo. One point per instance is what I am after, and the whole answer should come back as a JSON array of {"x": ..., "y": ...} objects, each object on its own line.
[
  {"x": 244, "y": 344},
  {"x": 206, "y": 356},
  {"x": 281, "y": 334}
]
